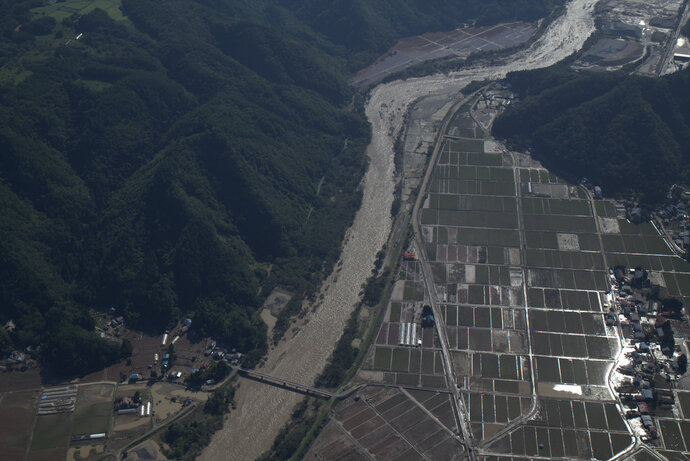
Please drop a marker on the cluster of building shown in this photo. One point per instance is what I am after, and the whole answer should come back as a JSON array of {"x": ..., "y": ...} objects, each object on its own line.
[
  {"x": 20, "y": 359},
  {"x": 674, "y": 217},
  {"x": 651, "y": 360},
  {"x": 132, "y": 405},
  {"x": 496, "y": 99},
  {"x": 110, "y": 329},
  {"x": 57, "y": 400},
  {"x": 219, "y": 351},
  {"x": 166, "y": 357}
]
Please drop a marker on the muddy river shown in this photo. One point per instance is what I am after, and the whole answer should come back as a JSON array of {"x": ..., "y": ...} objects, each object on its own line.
[{"x": 262, "y": 410}]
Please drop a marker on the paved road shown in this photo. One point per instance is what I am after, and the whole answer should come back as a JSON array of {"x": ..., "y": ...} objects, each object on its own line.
[
  {"x": 458, "y": 404},
  {"x": 619, "y": 332},
  {"x": 671, "y": 44}
]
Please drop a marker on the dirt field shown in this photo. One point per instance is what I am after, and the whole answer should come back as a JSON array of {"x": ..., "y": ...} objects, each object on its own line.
[
  {"x": 20, "y": 380},
  {"x": 54, "y": 454},
  {"x": 81, "y": 453},
  {"x": 388, "y": 425},
  {"x": 93, "y": 413},
  {"x": 189, "y": 355},
  {"x": 51, "y": 436},
  {"x": 459, "y": 42},
  {"x": 168, "y": 399},
  {"x": 17, "y": 415}
]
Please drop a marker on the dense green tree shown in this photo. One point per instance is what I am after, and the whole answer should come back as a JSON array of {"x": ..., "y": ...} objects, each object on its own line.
[
  {"x": 626, "y": 133},
  {"x": 157, "y": 164}
]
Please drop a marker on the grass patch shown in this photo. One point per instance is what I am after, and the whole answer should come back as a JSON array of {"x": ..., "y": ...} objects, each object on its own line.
[
  {"x": 412, "y": 292},
  {"x": 382, "y": 358},
  {"x": 51, "y": 431},
  {"x": 94, "y": 418},
  {"x": 401, "y": 359},
  {"x": 477, "y": 159},
  {"x": 467, "y": 145},
  {"x": 395, "y": 313},
  {"x": 605, "y": 209},
  {"x": 95, "y": 85},
  {"x": 429, "y": 216}
]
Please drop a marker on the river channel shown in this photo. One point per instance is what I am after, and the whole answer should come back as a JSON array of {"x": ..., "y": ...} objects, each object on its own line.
[{"x": 263, "y": 410}]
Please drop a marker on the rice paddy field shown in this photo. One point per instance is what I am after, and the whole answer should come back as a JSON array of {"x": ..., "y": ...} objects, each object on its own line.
[
  {"x": 519, "y": 260},
  {"x": 518, "y": 263},
  {"x": 389, "y": 423}
]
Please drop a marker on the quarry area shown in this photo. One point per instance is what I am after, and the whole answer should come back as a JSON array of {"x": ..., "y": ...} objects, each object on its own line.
[{"x": 645, "y": 36}]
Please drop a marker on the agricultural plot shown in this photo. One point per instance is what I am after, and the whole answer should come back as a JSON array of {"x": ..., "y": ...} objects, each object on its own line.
[
  {"x": 405, "y": 353},
  {"x": 538, "y": 176},
  {"x": 684, "y": 401},
  {"x": 464, "y": 126},
  {"x": 489, "y": 413},
  {"x": 94, "y": 409},
  {"x": 462, "y": 41},
  {"x": 605, "y": 209},
  {"x": 391, "y": 424},
  {"x": 51, "y": 436},
  {"x": 17, "y": 416},
  {"x": 568, "y": 299},
  {"x": 675, "y": 435},
  {"x": 474, "y": 245},
  {"x": 642, "y": 245},
  {"x": 524, "y": 322},
  {"x": 519, "y": 261},
  {"x": 568, "y": 428}
]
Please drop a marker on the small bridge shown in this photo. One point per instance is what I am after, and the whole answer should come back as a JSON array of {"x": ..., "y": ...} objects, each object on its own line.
[{"x": 285, "y": 384}]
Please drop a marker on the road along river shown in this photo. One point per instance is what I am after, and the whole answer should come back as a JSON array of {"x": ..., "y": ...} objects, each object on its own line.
[{"x": 262, "y": 410}]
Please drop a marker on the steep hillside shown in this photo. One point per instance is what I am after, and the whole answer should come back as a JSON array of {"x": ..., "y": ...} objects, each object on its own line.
[
  {"x": 160, "y": 162},
  {"x": 625, "y": 133},
  {"x": 153, "y": 171},
  {"x": 367, "y": 28}
]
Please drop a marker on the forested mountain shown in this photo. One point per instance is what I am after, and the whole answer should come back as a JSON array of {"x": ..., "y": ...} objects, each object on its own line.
[
  {"x": 626, "y": 133},
  {"x": 159, "y": 163},
  {"x": 367, "y": 28}
]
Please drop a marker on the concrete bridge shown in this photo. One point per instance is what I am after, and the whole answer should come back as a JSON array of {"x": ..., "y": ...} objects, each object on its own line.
[{"x": 285, "y": 384}]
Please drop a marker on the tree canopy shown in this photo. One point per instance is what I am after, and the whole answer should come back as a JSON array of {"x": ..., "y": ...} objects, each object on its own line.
[
  {"x": 157, "y": 164},
  {"x": 626, "y": 133}
]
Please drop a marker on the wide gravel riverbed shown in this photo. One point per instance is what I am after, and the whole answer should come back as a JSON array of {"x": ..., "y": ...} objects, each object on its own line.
[{"x": 262, "y": 410}]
